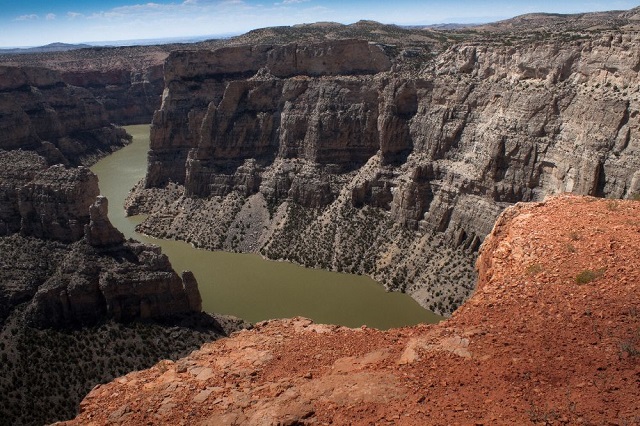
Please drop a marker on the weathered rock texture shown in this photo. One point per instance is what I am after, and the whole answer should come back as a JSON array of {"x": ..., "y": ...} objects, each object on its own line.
[
  {"x": 44, "y": 202},
  {"x": 550, "y": 337},
  {"x": 342, "y": 156},
  {"x": 131, "y": 281},
  {"x": 65, "y": 124},
  {"x": 99, "y": 232}
]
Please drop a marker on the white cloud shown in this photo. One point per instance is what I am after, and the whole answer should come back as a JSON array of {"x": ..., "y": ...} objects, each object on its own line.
[
  {"x": 27, "y": 17},
  {"x": 50, "y": 16},
  {"x": 293, "y": 1},
  {"x": 74, "y": 15}
]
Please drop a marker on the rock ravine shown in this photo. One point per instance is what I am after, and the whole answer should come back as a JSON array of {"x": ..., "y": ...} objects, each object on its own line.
[
  {"x": 344, "y": 155},
  {"x": 79, "y": 305}
]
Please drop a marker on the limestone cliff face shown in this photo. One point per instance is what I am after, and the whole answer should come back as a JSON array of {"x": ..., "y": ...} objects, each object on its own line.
[
  {"x": 44, "y": 202},
  {"x": 64, "y": 123},
  {"x": 337, "y": 156},
  {"x": 127, "y": 81},
  {"x": 130, "y": 281}
]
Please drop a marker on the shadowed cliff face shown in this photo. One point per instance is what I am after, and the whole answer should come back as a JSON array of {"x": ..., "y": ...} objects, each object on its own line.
[
  {"x": 95, "y": 274},
  {"x": 68, "y": 279},
  {"x": 337, "y": 156}
]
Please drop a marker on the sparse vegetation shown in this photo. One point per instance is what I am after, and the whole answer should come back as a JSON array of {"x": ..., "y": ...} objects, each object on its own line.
[
  {"x": 534, "y": 269},
  {"x": 629, "y": 348},
  {"x": 574, "y": 236},
  {"x": 47, "y": 372},
  {"x": 588, "y": 276}
]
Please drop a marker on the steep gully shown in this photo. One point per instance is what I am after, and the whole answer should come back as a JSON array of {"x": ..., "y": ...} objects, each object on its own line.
[{"x": 339, "y": 155}]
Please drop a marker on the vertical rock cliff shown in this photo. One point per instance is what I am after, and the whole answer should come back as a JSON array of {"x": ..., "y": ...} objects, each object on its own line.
[
  {"x": 340, "y": 155},
  {"x": 79, "y": 305}
]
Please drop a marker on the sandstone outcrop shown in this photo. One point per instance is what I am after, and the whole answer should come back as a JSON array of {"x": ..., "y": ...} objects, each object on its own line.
[
  {"x": 64, "y": 123},
  {"x": 100, "y": 232},
  {"x": 71, "y": 288},
  {"x": 130, "y": 93},
  {"x": 550, "y": 336},
  {"x": 44, "y": 202},
  {"x": 399, "y": 171}
]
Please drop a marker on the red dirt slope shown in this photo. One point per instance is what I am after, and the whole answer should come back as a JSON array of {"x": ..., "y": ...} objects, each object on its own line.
[{"x": 532, "y": 345}]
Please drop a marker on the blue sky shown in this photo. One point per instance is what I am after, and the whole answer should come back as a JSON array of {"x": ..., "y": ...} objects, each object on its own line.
[{"x": 39, "y": 22}]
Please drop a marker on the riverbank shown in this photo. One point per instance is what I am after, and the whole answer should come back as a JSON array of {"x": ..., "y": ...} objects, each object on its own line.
[{"x": 248, "y": 286}]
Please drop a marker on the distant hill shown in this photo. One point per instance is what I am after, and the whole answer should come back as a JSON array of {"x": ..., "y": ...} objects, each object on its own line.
[
  {"x": 610, "y": 20},
  {"x": 53, "y": 47}
]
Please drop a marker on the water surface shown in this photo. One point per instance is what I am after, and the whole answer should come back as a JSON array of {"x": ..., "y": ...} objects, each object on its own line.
[{"x": 247, "y": 286}]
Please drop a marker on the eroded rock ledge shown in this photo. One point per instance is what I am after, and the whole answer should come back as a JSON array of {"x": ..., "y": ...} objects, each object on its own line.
[
  {"x": 393, "y": 171},
  {"x": 79, "y": 305},
  {"x": 551, "y": 334}
]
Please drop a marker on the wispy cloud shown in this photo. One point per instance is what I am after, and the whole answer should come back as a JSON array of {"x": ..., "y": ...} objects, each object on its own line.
[
  {"x": 293, "y": 1},
  {"x": 50, "y": 16},
  {"x": 27, "y": 17},
  {"x": 74, "y": 15}
]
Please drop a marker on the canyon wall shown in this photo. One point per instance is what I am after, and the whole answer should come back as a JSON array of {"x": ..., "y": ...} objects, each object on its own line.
[
  {"x": 129, "y": 95},
  {"x": 342, "y": 156},
  {"x": 63, "y": 123},
  {"x": 92, "y": 273},
  {"x": 79, "y": 305},
  {"x": 126, "y": 81}
]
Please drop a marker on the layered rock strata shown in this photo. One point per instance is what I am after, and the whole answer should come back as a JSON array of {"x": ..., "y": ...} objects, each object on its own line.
[
  {"x": 550, "y": 336},
  {"x": 341, "y": 156},
  {"x": 127, "y": 81},
  {"x": 130, "y": 93},
  {"x": 63, "y": 123}
]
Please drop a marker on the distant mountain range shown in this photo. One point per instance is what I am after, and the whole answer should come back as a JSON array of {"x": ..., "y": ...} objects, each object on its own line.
[
  {"x": 53, "y": 47},
  {"x": 65, "y": 47}
]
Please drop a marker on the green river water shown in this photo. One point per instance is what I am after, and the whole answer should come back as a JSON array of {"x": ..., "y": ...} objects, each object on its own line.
[{"x": 247, "y": 286}]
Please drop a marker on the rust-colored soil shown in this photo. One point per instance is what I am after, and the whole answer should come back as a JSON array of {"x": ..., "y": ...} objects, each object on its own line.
[{"x": 532, "y": 345}]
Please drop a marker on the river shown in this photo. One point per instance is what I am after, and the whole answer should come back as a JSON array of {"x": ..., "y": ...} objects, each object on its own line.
[{"x": 247, "y": 286}]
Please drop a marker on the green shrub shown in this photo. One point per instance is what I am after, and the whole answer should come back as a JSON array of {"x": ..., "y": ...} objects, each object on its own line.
[{"x": 588, "y": 275}]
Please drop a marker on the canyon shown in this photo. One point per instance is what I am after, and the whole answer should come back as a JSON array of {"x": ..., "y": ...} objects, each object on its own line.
[
  {"x": 72, "y": 286},
  {"x": 395, "y": 163},
  {"x": 551, "y": 336},
  {"x": 401, "y": 153}
]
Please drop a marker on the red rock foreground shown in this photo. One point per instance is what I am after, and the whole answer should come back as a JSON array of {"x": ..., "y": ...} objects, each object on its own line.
[{"x": 552, "y": 335}]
